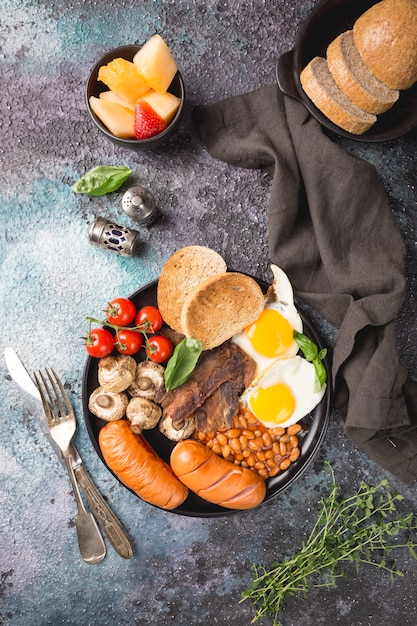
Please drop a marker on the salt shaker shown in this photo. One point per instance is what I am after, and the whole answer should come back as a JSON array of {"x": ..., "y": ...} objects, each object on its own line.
[
  {"x": 139, "y": 204},
  {"x": 113, "y": 237}
]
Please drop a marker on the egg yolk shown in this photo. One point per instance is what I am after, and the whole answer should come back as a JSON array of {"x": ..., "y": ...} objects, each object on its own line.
[
  {"x": 271, "y": 334},
  {"x": 273, "y": 404}
]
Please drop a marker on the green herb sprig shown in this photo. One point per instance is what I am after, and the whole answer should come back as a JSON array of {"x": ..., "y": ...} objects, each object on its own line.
[
  {"x": 311, "y": 353},
  {"x": 102, "y": 179},
  {"x": 182, "y": 362},
  {"x": 357, "y": 529}
]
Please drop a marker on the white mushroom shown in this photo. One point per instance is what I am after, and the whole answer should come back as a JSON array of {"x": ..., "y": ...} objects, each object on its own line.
[
  {"x": 108, "y": 405},
  {"x": 148, "y": 380},
  {"x": 143, "y": 414},
  {"x": 116, "y": 373},
  {"x": 177, "y": 431}
]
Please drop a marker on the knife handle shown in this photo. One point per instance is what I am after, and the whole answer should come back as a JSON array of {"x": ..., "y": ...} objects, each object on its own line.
[{"x": 105, "y": 516}]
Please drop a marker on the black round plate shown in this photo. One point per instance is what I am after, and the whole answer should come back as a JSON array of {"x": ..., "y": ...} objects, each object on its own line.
[
  {"x": 315, "y": 425},
  {"x": 327, "y": 21}
]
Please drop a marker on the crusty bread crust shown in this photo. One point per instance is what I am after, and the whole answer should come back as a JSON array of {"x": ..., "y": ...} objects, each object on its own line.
[
  {"x": 386, "y": 38},
  {"x": 220, "y": 307},
  {"x": 183, "y": 271},
  {"x": 321, "y": 88},
  {"x": 355, "y": 79}
]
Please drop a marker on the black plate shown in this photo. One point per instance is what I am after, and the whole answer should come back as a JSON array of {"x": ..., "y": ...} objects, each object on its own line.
[
  {"x": 315, "y": 423},
  {"x": 327, "y": 21}
]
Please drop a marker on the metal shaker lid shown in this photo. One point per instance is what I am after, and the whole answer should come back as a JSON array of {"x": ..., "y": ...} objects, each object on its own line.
[{"x": 139, "y": 204}]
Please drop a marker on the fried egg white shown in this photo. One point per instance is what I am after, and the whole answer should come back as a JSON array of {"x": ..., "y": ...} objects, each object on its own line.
[
  {"x": 284, "y": 393},
  {"x": 270, "y": 337}
]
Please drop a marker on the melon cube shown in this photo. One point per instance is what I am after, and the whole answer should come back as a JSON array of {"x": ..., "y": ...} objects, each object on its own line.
[
  {"x": 121, "y": 77},
  {"x": 113, "y": 97},
  {"x": 155, "y": 63},
  {"x": 118, "y": 119},
  {"x": 164, "y": 104}
]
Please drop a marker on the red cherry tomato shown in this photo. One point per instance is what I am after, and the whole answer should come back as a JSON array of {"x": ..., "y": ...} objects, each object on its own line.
[
  {"x": 128, "y": 341},
  {"x": 152, "y": 315},
  {"x": 120, "y": 311},
  {"x": 159, "y": 348},
  {"x": 99, "y": 343}
]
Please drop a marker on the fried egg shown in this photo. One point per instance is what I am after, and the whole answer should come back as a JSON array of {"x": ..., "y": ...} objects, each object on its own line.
[
  {"x": 270, "y": 337},
  {"x": 284, "y": 393}
]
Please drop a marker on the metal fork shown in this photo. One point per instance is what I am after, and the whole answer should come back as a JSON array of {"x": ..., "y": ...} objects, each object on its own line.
[{"x": 62, "y": 424}]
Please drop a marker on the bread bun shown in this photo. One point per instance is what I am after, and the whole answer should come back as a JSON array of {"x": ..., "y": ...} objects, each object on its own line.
[
  {"x": 320, "y": 86},
  {"x": 183, "y": 271},
  {"x": 355, "y": 79},
  {"x": 386, "y": 38},
  {"x": 220, "y": 307}
]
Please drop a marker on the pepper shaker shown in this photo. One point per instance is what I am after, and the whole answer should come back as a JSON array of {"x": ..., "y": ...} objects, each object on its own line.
[
  {"x": 139, "y": 204},
  {"x": 110, "y": 236}
]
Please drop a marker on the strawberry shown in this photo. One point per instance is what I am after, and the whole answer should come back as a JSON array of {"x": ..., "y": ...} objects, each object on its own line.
[{"x": 147, "y": 122}]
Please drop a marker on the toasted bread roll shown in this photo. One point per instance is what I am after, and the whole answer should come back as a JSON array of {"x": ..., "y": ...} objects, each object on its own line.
[
  {"x": 220, "y": 307},
  {"x": 213, "y": 478},
  {"x": 138, "y": 466},
  {"x": 355, "y": 79},
  {"x": 386, "y": 38},
  {"x": 183, "y": 271},
  {"x": 321, "y": 88}
]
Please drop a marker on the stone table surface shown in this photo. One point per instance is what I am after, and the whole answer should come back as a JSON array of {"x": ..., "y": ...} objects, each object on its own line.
[{"x": 185, "y": 570}]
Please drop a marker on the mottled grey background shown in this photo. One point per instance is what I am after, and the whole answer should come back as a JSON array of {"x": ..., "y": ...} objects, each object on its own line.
[{"x": 185, "y": 570}]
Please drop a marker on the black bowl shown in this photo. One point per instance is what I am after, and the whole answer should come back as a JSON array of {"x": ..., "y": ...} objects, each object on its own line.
[
  {"x": 95, "y": 87},
  {"x": 328, "y": 20}
]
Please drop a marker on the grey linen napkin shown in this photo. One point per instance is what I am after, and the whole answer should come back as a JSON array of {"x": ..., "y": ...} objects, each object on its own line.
[{"x": 331, "y": 230}]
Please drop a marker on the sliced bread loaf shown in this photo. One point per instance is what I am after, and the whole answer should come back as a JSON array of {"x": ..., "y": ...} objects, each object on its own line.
[
  {"x": 320, "y": 86},
  {"x": 386, "y": 38},
  {"x": 220, "y": 307},
  {"x": 183, "y": 271},
  {"x": 355, "y": 79}
]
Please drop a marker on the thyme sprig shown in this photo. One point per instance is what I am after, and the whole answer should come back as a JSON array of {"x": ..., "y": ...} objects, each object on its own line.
[{"x": 357, "y": 529}]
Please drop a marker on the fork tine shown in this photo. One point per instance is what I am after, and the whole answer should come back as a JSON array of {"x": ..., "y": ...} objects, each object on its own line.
[
  {"x": 64, "y": 395},
  {"x": 46, "y": 406}
]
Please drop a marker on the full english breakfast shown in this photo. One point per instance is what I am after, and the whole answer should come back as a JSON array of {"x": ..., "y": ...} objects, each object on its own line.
[{"x": 241, "y": 387}]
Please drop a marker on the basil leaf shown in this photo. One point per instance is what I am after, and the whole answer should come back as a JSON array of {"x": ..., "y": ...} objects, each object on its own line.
[
  {"x": 102, "y": 179},
  {"x": 182, "y": 363},
  {"x": 311, "y": 354}
]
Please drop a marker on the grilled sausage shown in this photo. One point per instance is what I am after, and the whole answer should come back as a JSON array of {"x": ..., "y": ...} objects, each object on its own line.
[
  {"x": 213, "y": 478},
  {"x": 138, "y": 466}
]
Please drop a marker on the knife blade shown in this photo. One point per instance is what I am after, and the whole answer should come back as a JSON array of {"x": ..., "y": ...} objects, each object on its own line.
[{"x": 107, "y": 520}]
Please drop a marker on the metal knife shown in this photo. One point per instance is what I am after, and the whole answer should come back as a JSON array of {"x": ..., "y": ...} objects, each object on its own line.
[{"x": 106, "y": 518}]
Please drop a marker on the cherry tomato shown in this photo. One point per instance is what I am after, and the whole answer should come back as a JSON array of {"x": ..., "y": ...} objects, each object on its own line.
[
  {"x": 149, "y": 314},
  {"x": 120, "y": 311},
  {"x": 99, "y": 342},
  {"x": 159, "y": 348},
  {"x": 128, "y": 341}
]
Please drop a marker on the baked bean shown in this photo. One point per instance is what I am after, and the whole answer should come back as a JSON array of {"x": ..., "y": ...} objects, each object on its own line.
[
  {"x": 234, "y": 444},
  {"x": 226, "y": 450},
  {"x": 266, "y": 438},
  {"x": 294, "y": 454},
  {"x": 293, "y": 430},
  {"x": 284, "y": 464},
  {"x": 221, "y": 439},
  {"x": 248, "y": 434},
  {"x": 243, "y": 440},
  {"x": 248, "y": 443},
  {"x": 293, "y": 441},
  {"x": 217, "y": 448}
]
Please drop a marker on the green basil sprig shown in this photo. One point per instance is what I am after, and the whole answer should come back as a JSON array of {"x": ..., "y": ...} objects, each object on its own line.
[
  {"x": 312, "y": 354},
  {"x": 102, "y": 179},
  {"x": 182, "y": 363}
]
